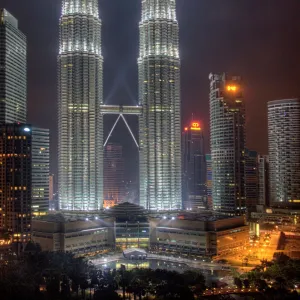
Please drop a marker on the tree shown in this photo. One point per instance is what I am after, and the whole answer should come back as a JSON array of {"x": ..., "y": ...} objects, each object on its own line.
[
  {"x": 238, "y": 282},
  {"x": 246, "y": 283}
]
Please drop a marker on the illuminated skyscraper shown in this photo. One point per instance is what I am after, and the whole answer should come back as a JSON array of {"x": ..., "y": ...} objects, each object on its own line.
[
  {"x": 159, "y": 95},
  {"x": 80, "y": 124},
  {"x": 13, "y": 77},
  {"x": 24, "y": 177},
  {"x": 194, "y": 167},
  {"x": 284, "y": 152},
  {"x": 227, "y": 129}
]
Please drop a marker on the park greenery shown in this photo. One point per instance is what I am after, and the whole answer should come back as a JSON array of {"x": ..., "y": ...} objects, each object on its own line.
[
  {"x": 57, "y": 275},
  {"x": 276, "y": 279}
]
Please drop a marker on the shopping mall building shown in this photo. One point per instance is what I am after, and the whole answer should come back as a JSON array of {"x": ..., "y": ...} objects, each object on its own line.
[{"x": 131, "y": 226}]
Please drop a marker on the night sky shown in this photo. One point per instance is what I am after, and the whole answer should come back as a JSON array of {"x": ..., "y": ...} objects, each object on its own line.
[{"x": 258, "y": 39}]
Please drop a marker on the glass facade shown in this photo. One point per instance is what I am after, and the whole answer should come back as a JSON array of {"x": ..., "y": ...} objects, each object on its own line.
[
  {"x": 227, "y": 126},
  {"x": 284, "y": 152},
  {"x": 194, "y": 168},
  {"x": 159, "y": 96},
  {"x": 132, "y": 233},
  {"x": 40, "y": 170},
  {"x": 80, "y": 125},
  {"x": 13, "y": 77}
]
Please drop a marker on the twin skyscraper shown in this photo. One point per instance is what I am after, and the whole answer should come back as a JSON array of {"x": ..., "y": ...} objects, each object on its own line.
[{"x": 81, "y": 107}]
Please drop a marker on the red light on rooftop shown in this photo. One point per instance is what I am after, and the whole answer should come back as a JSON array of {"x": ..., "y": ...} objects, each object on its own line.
[{"x": 195, "y": 126}]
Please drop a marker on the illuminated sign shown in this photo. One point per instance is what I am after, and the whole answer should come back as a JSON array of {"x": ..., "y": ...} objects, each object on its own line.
[
  {"x": 232, "y": 88},
  {"x": 195, "y": 126}
]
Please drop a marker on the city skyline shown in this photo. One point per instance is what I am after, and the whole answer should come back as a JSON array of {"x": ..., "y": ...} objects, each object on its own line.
[{"x": 197, "y": 46}]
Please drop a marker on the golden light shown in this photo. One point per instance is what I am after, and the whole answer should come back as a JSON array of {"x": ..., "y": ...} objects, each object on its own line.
[
  {"x": 195, "y": 126},
  {"x": 232, "y": 88}
]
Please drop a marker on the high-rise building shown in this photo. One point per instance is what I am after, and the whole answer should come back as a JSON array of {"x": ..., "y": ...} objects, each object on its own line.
[
  {"x": 251, "y": 178},
  {"x": 40, "y": 162},
  {"x": 51, "y": 187},
  {"x": 13, "y": 77},
  {"x": 284, "y": 152},
  {"x": 24, "y": 173},
  {"x": 263, "y": 180},
  {"x": 227, "y": 129},
  {"x": 80, "y": 124},
  {"x": 209, "y": 181},
  {"x": 114, "y": 186},
  {"x": 194, "y": 167},
  {"x": 159, "y": 95}
]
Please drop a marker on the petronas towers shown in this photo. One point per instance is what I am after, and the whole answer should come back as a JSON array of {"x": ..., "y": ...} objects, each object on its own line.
[
  {"x": 80, "y": 81},
  {"x": 80, "y": 125}
]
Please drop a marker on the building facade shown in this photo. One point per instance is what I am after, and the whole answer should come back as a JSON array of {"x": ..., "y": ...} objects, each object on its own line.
[
  {"x": 284, "y": 152},
  {"x": 194, "y": 167},
  {"x": 24, "y": 173},
  {"x": 251, "y": 178},
  {"x": 129, "y": 226},
  {"x": 209, "y": 181},
  {"x": 159, "y": 96},
  {"x": 227, "y": 129},
  {"x": 263, "y": 180},
  {"x": 114, "y": 186},
  {"x": 16, "y": 182},
  {"x": 80, "y": 123},
  {"x": 13, "y": 71},
  {"x": 40, "y": 161}
]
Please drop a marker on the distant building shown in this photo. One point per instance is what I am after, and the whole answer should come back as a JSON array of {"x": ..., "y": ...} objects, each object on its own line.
[
  {"x": 40, "y": 161},
  {"x": 114, "y": 188},
  {"x": 13, "y": 71},
  {"x": 51, "y": 187},
  {"x": 284, "y": 152},
  {"x": 227, "y": 129},
  {"x": 194, "y": 167},
  {"x": 251, "y": 178},
  {"x": 24, "y": 173},
  {"x": 209, "y": 181},
  {"x": 263, "y": 180}
]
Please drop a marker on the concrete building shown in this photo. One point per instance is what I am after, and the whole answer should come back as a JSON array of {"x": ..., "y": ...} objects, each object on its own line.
[
  {"x": 80, "y": 123},
  {"x": 128, "y": 226},
  {"x": 194, "y": 167},
  {"x": 13, "y": 71},
  {"x": 159, "y": 95},
  {"x": 263, "y": 180},
  {"x": 78, "y": 234},
  {"x": 24, "y": 173},
  {"x": 114, "y": 186},
  {"x": 227, "y": 129},
  {"x": 284, "y": 152}
]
